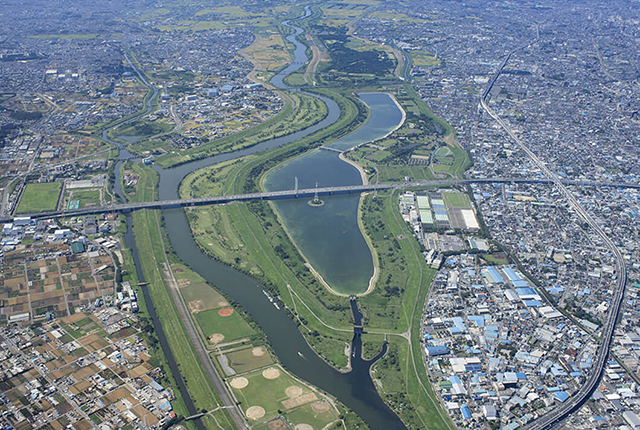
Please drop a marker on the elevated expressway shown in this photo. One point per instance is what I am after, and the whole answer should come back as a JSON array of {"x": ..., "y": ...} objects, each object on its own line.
[
  {"x": 557, "y": 415},
  {"x": 301, "y": 193}
]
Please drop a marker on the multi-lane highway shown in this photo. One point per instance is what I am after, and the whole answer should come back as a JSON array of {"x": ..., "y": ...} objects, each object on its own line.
[
  {"x": 302, "y": 193},
  {"x": 558, "y": 414}
]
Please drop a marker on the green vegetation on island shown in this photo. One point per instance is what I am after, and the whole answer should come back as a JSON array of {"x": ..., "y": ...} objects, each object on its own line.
[{"x": 300, "y": 111}]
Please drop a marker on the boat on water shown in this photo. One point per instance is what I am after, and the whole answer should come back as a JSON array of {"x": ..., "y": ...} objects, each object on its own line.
[{"x": 273, "y": 301}]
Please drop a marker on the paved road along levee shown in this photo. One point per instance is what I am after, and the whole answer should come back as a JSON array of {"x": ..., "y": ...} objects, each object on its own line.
[{"x": 302, "y": 193}]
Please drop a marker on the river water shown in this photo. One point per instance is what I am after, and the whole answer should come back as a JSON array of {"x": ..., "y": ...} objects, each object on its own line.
[
  {"x": 329, "y": 235},
  {"x": 355, "y": 389}
]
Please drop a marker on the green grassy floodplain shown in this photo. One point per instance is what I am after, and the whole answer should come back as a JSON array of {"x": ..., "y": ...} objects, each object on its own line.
[
  {"x": 38, "y": 197},
  {"x": 232, "y": 327},
  {"x": 299, "y": 112},
  {"x": 324, "y": 318},
  {"x": 149, "y": 242}
]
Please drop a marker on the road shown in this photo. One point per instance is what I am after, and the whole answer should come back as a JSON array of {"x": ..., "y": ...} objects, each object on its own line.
[
  {"x": 557, "y": 415},
  {"x": 12, "y": 346},
  {"x": 308, "y": 192},
  {"x": 225, "y": 397}
]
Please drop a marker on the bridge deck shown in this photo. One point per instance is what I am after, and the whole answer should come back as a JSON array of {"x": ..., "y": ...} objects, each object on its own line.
[{"x": 290, "y": 194}]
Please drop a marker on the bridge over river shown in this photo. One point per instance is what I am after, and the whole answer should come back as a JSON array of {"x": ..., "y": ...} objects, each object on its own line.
[{"x": 301, "y": 193}]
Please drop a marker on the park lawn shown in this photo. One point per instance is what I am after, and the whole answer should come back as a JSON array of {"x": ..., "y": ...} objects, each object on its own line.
[
  {"x": 209, "y": 298},
  {"x": 456, "y": 200},
  {"x": 266, "y": 393},
  {"x": 87, "y": 197},
  {"x": 498, "y": 258},
  {"x": 245, "y": 360},
  {"x": 444, "y": 160},
  {"x": 441, "y": 168},
  {"x": 443, "y": 152},
  {"x": 232, "y": 326},
  {"x": 399, "y": 172},
  {"x": 39, "y": 197},
  {"x": 318, "y": 420},
  {"x": 424, "y": 59}
]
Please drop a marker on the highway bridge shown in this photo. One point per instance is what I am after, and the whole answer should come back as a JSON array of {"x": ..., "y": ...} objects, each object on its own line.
[{"x": 301, "y": 193}]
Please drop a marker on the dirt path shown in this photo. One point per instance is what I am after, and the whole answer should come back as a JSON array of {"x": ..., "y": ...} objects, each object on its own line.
[{"x": 318, "y": 56}]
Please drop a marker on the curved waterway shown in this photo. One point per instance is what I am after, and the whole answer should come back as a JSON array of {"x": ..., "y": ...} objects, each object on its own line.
[
  {"x": 328, "y": 235},
  {"x": 355, "y": 389}
]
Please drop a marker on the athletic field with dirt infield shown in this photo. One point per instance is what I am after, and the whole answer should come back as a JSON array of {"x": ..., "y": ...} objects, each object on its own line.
[
  {"x": 263, "y": 392},
  {"x": 249, "y": 359},
  {"x": 227, "y": 324}
]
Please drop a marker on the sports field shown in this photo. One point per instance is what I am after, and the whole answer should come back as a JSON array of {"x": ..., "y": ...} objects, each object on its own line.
[
  {"x": 456, "y": 200},
  {"x": 40, "y": 197},
  {"x": 201, "y": 297},
  {"x": 267, "y": 394},
  {"x": 225, "y": 322},
  {"x": 249, "y": 359}
]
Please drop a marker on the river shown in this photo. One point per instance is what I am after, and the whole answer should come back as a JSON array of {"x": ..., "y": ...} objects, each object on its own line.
[
  {"x": 355, "y": 389},
  {"x": 329, "y": 236}
]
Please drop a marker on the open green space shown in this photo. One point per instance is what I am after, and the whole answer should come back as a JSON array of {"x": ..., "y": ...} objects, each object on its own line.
[
  {"x": 149, "y": 241},
  {"x": 424, "y": 59},
  {"x": 300, "y": 111},
  {"x": 456, "y": 200},
  {"x": 246, "y": 360},
  {"x": 272, "y": 396},
  {"x": 232, "y": 327},
  {"x": 307, "y": 415},
  {"x": 404, "y": 281},
  {"x": 354, "y": 56},
  {"x": 423, "y": 147},
  {"x": 143, "y": 128},
  {"x": 39, "y": 197},
  {"x": 212, "y": 228},
  {"x": 250, "y": 238},
  {"x": 209, "y": 298},
  {"x": 86, "y": 197}
]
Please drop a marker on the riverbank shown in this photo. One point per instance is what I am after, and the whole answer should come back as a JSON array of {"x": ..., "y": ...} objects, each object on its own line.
[
  {"x": 330, "y": 238},
  {"x": 175, "y": 346},
  {"x": 390, "y": 308}
]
